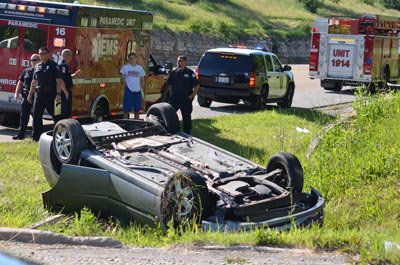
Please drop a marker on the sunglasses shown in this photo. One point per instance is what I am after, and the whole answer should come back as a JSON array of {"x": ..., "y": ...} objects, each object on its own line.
[
  {"x": 41, "y": 53},
  {"x": 34, "y": 60}
]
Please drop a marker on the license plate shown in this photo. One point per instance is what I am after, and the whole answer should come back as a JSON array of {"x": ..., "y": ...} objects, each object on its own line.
[{"x": 224, "y": 80}]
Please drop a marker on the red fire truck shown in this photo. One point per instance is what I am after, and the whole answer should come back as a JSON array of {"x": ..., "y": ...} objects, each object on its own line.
[
  {"x": 100, "y": 39},
  {"x": 355, "y": 51}
]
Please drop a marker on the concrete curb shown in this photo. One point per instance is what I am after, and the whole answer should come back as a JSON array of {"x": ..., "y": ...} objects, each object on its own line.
[{"x": 46, "y": 237}]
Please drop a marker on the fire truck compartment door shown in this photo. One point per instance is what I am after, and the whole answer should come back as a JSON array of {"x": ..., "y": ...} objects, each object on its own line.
[{"x": 341, "y": 60}]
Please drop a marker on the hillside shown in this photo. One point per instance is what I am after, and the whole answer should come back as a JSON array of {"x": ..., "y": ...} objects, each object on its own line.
[
  {"x": 282, "y": 26},
  {"x": 238, "y": 19}
]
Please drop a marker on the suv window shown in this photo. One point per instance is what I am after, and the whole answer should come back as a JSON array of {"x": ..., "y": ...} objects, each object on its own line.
[
  {"x": 227, "y": 62},
  {"x": 258, "y": 63},
  {"x": 277, "y": 64}
]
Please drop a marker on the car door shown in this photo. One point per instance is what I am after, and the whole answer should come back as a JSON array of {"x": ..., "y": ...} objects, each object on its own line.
[{"x": 276, "y": 76}]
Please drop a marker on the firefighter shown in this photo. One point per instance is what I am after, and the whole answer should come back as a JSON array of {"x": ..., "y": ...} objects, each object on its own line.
[
  {"x": 66, "y": 102},
  {"x": 183, "y": 86},
  {"x": 23, "y": 86},
  {"x": 47, "y": 85}
]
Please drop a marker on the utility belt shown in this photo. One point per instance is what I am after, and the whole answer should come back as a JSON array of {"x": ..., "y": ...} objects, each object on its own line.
[
  {"x": 25, "y": 92},
  {"x": 45, "y": 89}
]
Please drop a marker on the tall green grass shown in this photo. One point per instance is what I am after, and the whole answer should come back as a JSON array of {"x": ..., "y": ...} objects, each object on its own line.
[{"x": 355, "y": 167}]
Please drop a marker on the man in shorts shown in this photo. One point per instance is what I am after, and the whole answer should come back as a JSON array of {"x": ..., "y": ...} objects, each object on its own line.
[{"x": 133, "y": 78}]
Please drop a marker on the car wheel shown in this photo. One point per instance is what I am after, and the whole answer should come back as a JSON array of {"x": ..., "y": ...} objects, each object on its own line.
[
  {"x": 204, "y": 101},
  {"x": 288, "y": 99},
  {"x": 165, "y": 114},
  {"x": 185, "y": 199},
  {"x": 261, "y": 101},
  {"x": 69, "y": 140},
  {"x": 292, "y": 177}
]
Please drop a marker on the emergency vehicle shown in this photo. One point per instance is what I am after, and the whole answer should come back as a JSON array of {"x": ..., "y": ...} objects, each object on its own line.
[
  {"x": 355, "y": 51},
  {"x": 100, "y": 39}
]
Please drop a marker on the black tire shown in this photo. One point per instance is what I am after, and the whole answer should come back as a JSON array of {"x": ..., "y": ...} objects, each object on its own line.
[
  {"x": 204, "y": 101},
  {"x": 292, "y": 177},
  {"x": 164, "y": 114},
  {"x": 69, "y": 140},
  {"x": 99, "y": 113},
  {"x": 185, "y": 199},
  {"x": 288, "y": 99},
  {"x": 385, "y": 80}
]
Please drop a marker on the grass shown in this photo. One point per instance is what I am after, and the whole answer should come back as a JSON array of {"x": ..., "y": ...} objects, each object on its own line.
[
  {"x": 355, "y": 167},
  {"x": 236, "y": 20}
]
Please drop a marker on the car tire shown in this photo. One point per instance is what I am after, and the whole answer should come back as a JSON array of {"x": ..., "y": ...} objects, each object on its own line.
[
  {"x": 288, "y": 99},
  {"x": 164, "y": 114},
  {"x": 292, "y": 177},
  {"x": 185, "y": 199},
  {"x": 204, "y": 101},
  {"x": 69, "y": 139}
]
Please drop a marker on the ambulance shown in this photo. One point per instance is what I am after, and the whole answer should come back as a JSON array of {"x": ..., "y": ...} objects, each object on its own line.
[
  {"x": 100, "y": 39},
  {"x": 362, "y": 51}
]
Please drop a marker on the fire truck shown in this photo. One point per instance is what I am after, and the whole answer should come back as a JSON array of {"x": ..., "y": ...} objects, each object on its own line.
[
  {"x": 362, "y": 51},
  {"x": 100, "y": 39}
]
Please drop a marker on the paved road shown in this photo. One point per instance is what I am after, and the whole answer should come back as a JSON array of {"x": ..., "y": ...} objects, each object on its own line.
[{"x": 308, "y": 94}]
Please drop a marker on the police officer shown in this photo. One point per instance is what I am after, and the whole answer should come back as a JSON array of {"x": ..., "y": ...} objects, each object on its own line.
[
  {"x": 46, "y": 85},
  {"x": 183, "y": 86},
  {"x": 23, "y": 86},
  {"x": 66, "y": 102}
]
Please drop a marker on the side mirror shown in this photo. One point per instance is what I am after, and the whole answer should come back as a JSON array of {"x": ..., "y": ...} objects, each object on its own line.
[
  {"x": 168, "y": 65},
  {"x": 287, "y": 68}
]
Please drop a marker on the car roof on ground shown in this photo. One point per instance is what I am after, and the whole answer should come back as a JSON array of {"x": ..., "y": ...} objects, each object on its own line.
[{"x": 241, "y": 51}]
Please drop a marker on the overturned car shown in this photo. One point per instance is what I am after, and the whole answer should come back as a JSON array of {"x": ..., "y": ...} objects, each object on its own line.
[{"x": 150, "y": 173}]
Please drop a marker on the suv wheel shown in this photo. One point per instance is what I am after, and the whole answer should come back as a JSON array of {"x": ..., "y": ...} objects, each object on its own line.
[
  {"x": 204, "y": 101},
  {"x": 288, "y": 99}
]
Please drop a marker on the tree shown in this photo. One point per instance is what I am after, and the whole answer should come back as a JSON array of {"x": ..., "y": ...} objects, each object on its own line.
[{"x": 312, "y": 5}]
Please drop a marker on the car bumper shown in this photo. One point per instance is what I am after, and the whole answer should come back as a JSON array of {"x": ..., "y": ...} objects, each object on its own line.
[
  {"x": 313, "y": 215},
  {"x": 223, "y": 92}
]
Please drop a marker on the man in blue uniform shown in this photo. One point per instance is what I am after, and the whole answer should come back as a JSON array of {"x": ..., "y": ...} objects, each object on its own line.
[
  {"x": 23, "y": 86},
  {"x": 183, "y": 86},
  {"x": 66, "y": 102},
  {"x": 46, "y": 85}
]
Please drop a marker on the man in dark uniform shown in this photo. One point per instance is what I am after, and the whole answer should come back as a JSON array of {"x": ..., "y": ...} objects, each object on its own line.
[
  {"x": 66, "y": 102},
  {"x": 46, "y": 85},
  {"x": 23, "y": 86},
  {"x": 183, "y": 86}
]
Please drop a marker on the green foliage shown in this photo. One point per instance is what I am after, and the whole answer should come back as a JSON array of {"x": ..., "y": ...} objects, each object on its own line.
[{"x": 313, "y": 5}]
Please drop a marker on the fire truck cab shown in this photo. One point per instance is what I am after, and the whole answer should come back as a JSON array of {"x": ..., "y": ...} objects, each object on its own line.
[
  {"x": 355, "y": 51},
  {"x": 100, "y": 39}
]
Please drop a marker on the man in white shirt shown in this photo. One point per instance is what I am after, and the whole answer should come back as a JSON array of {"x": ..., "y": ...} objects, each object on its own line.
[{"x": 133, "y": 78}]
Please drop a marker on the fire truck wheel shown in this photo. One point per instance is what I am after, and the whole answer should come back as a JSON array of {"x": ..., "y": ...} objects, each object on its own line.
[
  {"x": 69, "y": 140},
  {"x": 292, "y": 177},
  {"x": 385, "y": 79},
  {"x": 164, "y": 114}
]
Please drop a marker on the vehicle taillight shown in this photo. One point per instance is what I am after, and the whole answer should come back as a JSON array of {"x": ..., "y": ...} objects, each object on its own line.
[
  {"x": 197, "y": 73},
  {"x": 314, "y": 52},
  {"x": 368, "y": 53},
  {"x": 252, "y": 81}
]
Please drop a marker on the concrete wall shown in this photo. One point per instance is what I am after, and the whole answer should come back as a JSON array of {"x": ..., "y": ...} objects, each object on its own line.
[{"x": 167, "y": 45}]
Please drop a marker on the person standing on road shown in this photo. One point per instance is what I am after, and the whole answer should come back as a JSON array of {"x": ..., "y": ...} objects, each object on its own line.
[
  {"x": 183, "y": 86},
  {"x": 133, "y": 78},
  {"x": 66, "y": 102},
  {"x": 23, "y": 86},
  {"x": 47, "y": 85}
]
